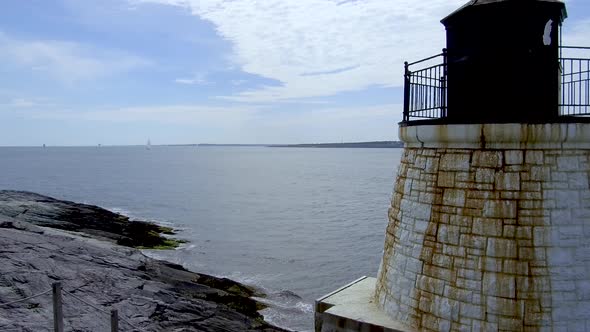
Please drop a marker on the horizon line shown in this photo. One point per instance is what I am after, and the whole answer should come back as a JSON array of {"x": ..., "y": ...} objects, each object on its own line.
[{"x": 186, "y": 144}]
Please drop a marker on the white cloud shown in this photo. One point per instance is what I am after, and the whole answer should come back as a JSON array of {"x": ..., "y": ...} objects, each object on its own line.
[
  {"x": 224, "y": 116},
  {"x": 188, "y": 81},
  {"x": 198, "y": 79},
  {"x": 20, "y": 103},
  {"x": 174, "y": 114},
  {"x": 347, "y": 45},
  {"x": 68, "y": 62}
]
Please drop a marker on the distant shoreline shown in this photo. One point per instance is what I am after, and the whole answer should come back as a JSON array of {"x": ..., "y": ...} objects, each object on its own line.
[
  {"x": 378, "y": 144},
  {"x": 374, "y": 144}
]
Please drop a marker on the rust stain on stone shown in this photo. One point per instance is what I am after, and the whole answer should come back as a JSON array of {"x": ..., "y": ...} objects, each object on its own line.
[{"x": 477, "y": 260}]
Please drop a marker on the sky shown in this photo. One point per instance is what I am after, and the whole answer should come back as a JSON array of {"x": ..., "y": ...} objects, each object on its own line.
[{"x": 120, "y": 72}]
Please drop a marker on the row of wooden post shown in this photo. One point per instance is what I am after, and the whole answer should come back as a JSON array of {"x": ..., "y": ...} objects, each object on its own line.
[{"x": 58, "y": 317}]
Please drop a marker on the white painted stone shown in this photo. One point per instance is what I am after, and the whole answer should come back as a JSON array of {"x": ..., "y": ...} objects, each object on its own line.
[
  {"x": 507, "y": 181},
  {"x": 513, "y": 157},
  {"x": 565, "y": 199},
  {"x": 567, "y": 163},
  {"x": 499, "y": 209},
  {"x": 484, "y": 175},
  {"x": 534, "y": 157},
  {"x": 454, "y": 197},
  {"x": 454, "y": 162},
  {"x": 472, "y": 311},
  {"x": 576, "y": 180},
  {"x": 482, "y": 228},
  {"x": 421, "y": 226},
  {"x": 487, "y": 158},
  {"x": 498, "y": 284},
  {"x": 449, "y": 234}
]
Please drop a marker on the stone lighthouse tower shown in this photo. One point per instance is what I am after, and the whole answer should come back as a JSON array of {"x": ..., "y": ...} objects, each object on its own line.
[{"x": 490, "y": 216}]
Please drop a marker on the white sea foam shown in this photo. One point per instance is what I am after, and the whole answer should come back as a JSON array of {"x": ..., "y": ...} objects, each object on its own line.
[{"x": 133, "y": 216}]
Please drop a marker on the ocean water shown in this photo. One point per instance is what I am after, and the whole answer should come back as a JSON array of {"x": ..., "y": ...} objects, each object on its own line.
[{"x": 296, "y": 222}]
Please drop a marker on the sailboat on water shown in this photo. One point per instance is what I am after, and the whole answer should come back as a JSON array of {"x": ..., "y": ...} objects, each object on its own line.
[{"x": 148, "y": 146}]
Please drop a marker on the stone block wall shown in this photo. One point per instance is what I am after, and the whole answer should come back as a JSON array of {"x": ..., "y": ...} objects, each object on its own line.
[{"x": 484, "y": 239}]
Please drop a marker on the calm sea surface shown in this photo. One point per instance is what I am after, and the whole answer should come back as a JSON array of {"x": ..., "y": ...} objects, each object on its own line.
[{"x": 298, "y": 223}]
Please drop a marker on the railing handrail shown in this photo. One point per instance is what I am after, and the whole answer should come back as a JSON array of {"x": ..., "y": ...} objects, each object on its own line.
[
  {"x": 576, "y": 47},
  {"x": 575, "y": 83},
  {"x": 425, "y": 89},
  {"x": 426, "y": 59},
  {"x": 25, "y": 299}
]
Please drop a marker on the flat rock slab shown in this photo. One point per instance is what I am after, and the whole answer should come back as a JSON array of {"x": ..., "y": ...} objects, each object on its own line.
[{"x": 88, "y": 219}]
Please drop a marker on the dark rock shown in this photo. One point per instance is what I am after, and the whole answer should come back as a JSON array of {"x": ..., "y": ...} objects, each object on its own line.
[
  {"x": 151, "y": 295},
  {"x": 88, "y": 219}
]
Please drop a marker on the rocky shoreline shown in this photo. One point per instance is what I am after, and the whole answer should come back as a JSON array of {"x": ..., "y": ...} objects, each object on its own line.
[{"x": 92, "y": 252}]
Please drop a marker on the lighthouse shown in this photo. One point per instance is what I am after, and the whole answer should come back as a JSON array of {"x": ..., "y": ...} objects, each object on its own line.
[{"x": 490, "y": 214}]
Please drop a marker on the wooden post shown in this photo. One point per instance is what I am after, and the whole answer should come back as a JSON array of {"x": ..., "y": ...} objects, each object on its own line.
[
  {"x": 58, "y": 317},
  {"x": 114, "y": 320}
]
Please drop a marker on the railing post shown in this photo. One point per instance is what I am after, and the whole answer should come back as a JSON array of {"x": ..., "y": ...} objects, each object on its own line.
[
  {"x": 443, "y": 105},
  {"x": 407, "y": 74},
  {"x": 114, "y": 320},
  {"x": 58, "y": 318}
]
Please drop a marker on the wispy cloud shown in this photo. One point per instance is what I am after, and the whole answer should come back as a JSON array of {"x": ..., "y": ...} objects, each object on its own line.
[
  {"x": 174, "y": 114},
  {"x": 198, "y": 79},
  {"x": 331, "y": 71},
  {"x": 68, "y": 62},
  {"x": 246, "y": 123},
  {"x": 19, "y": 103},
  {"x": 288, "y": 40},
  {"x": 218, "y": 115}
]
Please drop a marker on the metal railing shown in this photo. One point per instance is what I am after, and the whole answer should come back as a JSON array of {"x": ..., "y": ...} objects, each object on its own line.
[
  {"x": 574, "y": 97},
  {"x": 58, "y": 316},
  {"x": 425, "y": 89}
]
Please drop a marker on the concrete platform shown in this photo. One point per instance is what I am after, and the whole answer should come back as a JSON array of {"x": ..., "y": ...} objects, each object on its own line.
[{"x": 352, "y": 309}]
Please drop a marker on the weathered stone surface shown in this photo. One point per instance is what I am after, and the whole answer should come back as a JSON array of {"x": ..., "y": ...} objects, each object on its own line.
[
  {"x": 150, "y": 294},
  {"x": 505, "y": 245}
]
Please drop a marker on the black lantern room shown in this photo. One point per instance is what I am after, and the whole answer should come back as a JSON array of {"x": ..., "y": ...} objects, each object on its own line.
[{"x": 503, "y": 61}]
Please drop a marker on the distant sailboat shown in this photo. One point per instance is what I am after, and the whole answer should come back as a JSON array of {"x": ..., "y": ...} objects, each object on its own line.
[{"x": 148, "y": 145}]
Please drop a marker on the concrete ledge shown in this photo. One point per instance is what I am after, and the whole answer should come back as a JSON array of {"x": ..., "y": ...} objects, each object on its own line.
[
  {"x": 352, "y": 308},
  {"x": 498, "y": 136}
]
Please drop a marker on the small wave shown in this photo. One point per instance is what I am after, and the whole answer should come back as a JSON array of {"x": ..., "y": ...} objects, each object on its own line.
[
  {"x": 305, "y": 307},
  {"x": 287, "y": 306},
  {"x": 120, "y": 211},
  {"x": 133, "y": 216},
  {"x": 287, "y": 294},
  {"x": 293, "y": 318},
  {"x": 258, "y": 281}
]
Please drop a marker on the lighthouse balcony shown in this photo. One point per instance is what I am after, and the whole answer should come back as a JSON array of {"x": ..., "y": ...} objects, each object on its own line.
[{"x": 497, "y": 88}]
